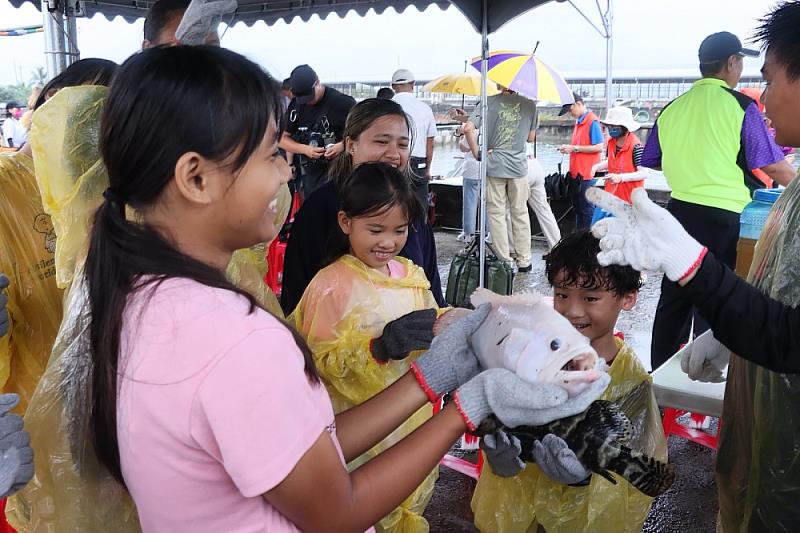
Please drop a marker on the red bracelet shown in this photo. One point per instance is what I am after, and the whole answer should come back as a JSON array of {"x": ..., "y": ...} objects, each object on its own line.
[
  {"x": 429, "y": 392},
  {"x": 695, "y": 265},
  {"x": 457, "y": 401}
]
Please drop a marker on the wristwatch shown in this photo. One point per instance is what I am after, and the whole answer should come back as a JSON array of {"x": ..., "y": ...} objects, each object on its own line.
[{"x": 576, "y": 149}]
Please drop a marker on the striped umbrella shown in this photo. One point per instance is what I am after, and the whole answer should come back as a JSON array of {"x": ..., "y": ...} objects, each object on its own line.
[
  {"x": 527, "y": 75},
  {"x": 460, "y": 83}
]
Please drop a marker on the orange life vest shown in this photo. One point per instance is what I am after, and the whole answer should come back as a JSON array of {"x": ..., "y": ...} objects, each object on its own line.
[
  {"x": 621, "y": 162},
  {"x": 581, "y": 163}
]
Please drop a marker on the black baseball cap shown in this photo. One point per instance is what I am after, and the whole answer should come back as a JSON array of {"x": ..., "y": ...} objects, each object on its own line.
[
  {"x": 566, "y": 107},
  {"x": 302, "y": 80},
  {"x": 720, "y": 46}
]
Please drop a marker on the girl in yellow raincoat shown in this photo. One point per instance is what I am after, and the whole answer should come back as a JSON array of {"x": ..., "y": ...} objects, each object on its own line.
[{"x": 366, "y": 314}]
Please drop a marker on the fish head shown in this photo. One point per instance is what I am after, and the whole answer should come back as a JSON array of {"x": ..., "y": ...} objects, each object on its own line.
[{"x": 524, "y": 334}]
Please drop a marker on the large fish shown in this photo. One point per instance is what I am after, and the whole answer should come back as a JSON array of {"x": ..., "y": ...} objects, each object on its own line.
[{"x": 523, "y": 333}]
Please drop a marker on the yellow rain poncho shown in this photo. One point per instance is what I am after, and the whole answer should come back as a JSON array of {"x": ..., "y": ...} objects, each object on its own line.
[
  {"x": 521, "y": 503},
  {"x": 27, "y": 246},
  {"x": 71, "y": 492},
  {"x": 345, "y": 306},
  {"x": 758, "y": 458}
]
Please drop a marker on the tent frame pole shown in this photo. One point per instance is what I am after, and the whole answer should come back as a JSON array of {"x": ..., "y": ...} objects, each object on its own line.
[
  {"x": 607, "y": 18},
  {"x": 60, "y": 34},
  {"x": 482, "y": 138},
  {"x": 53, "y": 24}
]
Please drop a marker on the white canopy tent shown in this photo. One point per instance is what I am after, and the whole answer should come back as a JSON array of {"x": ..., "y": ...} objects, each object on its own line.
[{"x": 486, "y": 16}]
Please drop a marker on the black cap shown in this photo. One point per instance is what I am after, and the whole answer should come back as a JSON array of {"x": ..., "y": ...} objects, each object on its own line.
[
  {"x": 303, "y": 79},
  {"x": 720, "y": 46},
  {"x": 12, "y": 105},
  {"x": 566, "y": 107}
]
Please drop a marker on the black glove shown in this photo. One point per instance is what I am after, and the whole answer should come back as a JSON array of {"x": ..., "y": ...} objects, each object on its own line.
[{"x": 402, "y": 336}]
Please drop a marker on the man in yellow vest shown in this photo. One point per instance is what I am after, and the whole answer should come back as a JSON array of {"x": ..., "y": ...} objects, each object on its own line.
[{"x": 707, "y": 141}]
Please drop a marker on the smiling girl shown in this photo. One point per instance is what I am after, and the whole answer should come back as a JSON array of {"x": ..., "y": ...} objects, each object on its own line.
[{"x": 207, "y": 408}]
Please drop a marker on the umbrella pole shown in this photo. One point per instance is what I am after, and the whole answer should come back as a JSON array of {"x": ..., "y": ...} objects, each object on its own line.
[
  {"x": 463, "y": 96},
  {"x": 482, "y": 139}
]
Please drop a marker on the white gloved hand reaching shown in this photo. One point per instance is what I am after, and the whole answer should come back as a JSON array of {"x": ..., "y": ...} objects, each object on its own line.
[
  {"x": 705, "y": 359},
  {"x": 201, "y": 18},
  {"x": 644, "y": 236}
]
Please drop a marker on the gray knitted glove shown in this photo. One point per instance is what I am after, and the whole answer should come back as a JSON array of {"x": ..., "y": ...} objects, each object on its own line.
[
  {"x": 557, "y": 461},
  {"x": 3, "y": 306},
  {"x": 201, "y": 18},
  {"x": 518, "y": 403},
  {"x": 412, "y": 331},
  {"x": 450, "y": 361},
  {"x": 502, "y": 452},
  {"x": 16, "y": 455}
]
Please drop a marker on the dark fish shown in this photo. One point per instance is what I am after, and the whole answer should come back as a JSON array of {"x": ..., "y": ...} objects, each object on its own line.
[{"x": 597, "y": 437}]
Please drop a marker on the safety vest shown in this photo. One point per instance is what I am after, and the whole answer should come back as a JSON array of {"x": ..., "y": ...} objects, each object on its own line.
[
  {"x": 703, "y": 158},
  {"x": 621, "y": 162},
  {"x": 581, "y": 163}
]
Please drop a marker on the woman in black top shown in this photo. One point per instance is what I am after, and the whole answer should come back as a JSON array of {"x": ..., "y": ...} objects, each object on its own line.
[{"x": 377, "y": 130}]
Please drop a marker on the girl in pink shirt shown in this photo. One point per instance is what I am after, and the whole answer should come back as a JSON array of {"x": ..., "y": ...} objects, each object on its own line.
[{"x": 207, "y": 408}]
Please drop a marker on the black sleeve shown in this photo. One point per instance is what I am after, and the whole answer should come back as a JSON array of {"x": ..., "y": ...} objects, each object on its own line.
[
  {"x": 751, "y": 324},
  {"x": 308, "y": 242},
  {"x": 339, "y": 111},
  {"x": 291, "y": 126},
  {"x": 431, "y": 265}
]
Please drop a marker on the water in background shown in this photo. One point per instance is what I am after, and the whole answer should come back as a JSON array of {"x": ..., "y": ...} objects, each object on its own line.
[{"x": 444, "y": 159}]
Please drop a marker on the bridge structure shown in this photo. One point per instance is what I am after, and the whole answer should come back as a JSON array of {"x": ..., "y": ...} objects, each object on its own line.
[{"x": 645, "y": 94}]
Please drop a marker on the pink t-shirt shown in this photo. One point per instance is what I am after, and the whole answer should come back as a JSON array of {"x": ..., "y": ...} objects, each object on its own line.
[
  {"x": 396, "y": 269},
  {"x": 214, "y": 410}
]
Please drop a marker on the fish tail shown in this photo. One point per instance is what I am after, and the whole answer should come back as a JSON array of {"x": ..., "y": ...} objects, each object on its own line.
[{"x": 649, "y": 475}]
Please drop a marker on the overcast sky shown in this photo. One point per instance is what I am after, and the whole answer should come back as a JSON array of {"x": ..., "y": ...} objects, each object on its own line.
[{"x": 649, "y": 35}]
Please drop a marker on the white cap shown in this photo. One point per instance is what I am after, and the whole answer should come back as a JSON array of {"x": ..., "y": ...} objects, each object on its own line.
[
  {"x": 621, "y": 116},
  {"x": 401, "y": 76}
]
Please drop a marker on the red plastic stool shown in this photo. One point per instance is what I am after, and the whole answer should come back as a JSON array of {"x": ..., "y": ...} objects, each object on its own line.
[
  {"x": 673, "y": 427},
  {"x": 458, "y": 464}
]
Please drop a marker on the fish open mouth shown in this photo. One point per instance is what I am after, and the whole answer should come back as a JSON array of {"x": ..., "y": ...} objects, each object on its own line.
[{"x": 574, "y": 370}]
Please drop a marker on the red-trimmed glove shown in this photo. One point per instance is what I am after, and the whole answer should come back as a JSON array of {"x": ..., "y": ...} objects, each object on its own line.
[
  {"x": 644, "y": 236},
  {"x": 450, "y": 361},
  {"x": 516, "y": 402}
]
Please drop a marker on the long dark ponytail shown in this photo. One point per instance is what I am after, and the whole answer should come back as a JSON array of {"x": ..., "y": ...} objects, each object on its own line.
[{"x": 163, "y": 103}]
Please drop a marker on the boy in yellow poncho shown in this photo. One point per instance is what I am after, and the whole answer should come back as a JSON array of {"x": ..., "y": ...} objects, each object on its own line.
[
  {"x": 591, "y": 297},
  {"x": 367, "y": 314}
]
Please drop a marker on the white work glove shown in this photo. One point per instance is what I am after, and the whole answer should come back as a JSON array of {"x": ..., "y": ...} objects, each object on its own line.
[
  {"x": 705, "y": 359},
  {"x": 502, "y": 452},
  {"x": 644, "y": 236},
  {"x": 557, "y": 461},
  {"x": 201, "y": 18}
]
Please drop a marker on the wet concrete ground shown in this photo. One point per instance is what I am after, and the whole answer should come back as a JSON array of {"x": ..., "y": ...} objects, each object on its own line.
[{"x": 690, "y": 506}]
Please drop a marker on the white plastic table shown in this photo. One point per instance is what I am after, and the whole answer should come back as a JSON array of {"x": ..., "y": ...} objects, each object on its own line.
[{"x": 675, "y": 390}]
